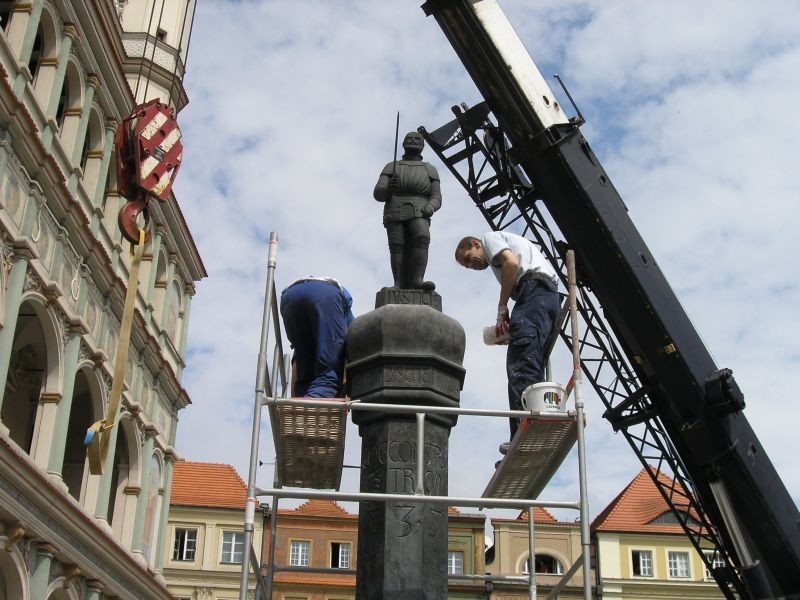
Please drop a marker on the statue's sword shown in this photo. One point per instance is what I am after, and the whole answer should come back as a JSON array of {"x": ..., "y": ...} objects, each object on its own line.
[{"x": 394, "y": 163}]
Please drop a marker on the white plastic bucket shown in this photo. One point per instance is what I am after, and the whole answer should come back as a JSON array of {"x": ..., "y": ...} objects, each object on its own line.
[
  {"x": 490, "y": 339},
  {"x": 545, "y": 397}
]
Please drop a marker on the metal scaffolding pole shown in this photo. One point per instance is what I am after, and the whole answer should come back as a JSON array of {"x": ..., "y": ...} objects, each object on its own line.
[
  {"x": 577, "y": 384},
  {"x": 260, "y": 394}
]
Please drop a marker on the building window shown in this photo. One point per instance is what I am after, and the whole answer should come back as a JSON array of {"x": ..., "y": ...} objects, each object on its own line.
[
  {"x": 161, "y": 35},
  {"x": 678, "y": 564},
  {"x": 716, "y": 561},
  {"x": 670, "y": 518},
  {"x": 455, "y": 563},
  {"x": 232, "y": 547},
  {"x": 340, "y": 555},
  {"x": 642, "y": 563},
  {"x": 185, "y": 544},
  {"x": 545, "y": 565},
  {"x": 298, "y": 555}
]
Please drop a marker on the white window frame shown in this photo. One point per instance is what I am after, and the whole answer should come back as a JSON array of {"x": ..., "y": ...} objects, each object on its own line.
[
  {"x": 717, "y": 561},
  {"x": 299, "y": 553},
  {"x": 344, "y": 549},
  {"x": 182, "y": 551},
  {"x": 688, "y": 556},
  {"x": 452, "y": 563},
  {"x": 230, "y": 559},
  {"x": 652, "y": 554}
]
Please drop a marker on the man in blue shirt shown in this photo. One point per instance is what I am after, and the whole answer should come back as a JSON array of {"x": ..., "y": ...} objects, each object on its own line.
[
  {"x": 526, "y": 277},
  {"x": 316, "y": 312}
]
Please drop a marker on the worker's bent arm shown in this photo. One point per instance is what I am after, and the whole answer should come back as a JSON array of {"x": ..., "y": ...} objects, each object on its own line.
[{"x": 508, "y": 274}]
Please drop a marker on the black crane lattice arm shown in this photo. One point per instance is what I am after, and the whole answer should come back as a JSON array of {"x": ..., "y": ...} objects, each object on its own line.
[{"x": 475, "y": 151}]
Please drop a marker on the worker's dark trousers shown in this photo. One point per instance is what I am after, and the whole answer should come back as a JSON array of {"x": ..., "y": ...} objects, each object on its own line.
[
  {"x": 532, "y": 319},
  {"x": 314, "y": 316}
]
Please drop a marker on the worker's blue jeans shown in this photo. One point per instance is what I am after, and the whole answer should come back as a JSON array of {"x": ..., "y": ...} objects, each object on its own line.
[
  {"x": 315, "y": 318},
  {"x": 532, "y": 319}
]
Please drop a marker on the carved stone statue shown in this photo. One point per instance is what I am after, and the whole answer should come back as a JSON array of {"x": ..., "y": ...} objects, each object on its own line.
[{"x": 410, "y": 191}]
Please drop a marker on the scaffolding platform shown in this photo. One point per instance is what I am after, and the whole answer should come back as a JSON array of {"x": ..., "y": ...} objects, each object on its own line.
[
  {"x": 309, "y": 445},
  {"x": 540, "y": 446}
]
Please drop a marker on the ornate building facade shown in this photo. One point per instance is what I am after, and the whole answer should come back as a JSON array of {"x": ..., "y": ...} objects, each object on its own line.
[{"x": 70, "y": 71}]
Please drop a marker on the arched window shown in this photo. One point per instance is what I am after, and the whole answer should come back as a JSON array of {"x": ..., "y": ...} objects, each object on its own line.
[
  {"x": 91, "y": 160},
  {"x": 120, "y": 475},
  {"x": 37, "y": 53},
  {"x": 68, "y": 112},
  {"x": 668, "y": 517},
  {"x": 151, "y": 514},
  {"x": 172, "y": 317},
  {"x": 26, "y": 373},
  {"x": 545, "y": 565},
  {"x": 160, "y": 286},
  {"x": 13, "y": 573},
  {"x": 75, "y": 472},
  {"x": 42, "y": 62}
]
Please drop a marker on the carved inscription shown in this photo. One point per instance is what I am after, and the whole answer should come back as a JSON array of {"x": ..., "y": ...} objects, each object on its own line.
[
  {"x": 417, "y": 297},
  {"x": 394, "y": 376},
  {"x": 391, "y": 467}
]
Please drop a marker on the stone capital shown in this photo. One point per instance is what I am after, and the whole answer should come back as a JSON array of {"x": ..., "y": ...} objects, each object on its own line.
[
  {"x": 171, "y": 455},
  {"x": 77, "y": 326},
  {"x": 23, "y": 248},
  {"x": 70, "y": 30},
  {"x": 46, "y": 549}
]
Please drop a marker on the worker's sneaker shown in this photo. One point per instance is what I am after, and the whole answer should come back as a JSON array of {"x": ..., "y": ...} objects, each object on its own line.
[{"x": 504, "y": 447}]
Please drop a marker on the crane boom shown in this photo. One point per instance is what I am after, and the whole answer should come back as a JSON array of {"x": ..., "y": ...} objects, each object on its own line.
[{"x": 699, "y": 404}]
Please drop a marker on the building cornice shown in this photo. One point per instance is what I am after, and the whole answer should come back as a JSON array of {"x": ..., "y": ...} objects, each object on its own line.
[{"x": 47, "y": 512}]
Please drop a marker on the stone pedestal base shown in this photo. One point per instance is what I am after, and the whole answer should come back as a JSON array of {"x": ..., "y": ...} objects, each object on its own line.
[
  {"x": 405, "y": 352},
  {"x": 402, "y": 546}
]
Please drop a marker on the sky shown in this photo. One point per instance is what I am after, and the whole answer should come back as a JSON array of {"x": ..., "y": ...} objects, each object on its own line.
[{"x": 689, "y": 106}]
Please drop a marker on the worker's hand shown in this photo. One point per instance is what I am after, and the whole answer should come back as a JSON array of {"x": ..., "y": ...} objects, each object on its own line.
[
  {"x": 394, "y": 182},
  {"x": 427, "y": 210},
  {"x": 503, "y": 321}
]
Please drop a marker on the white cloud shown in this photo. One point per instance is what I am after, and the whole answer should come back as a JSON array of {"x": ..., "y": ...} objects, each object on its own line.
[{"x": 291, "y": 119}]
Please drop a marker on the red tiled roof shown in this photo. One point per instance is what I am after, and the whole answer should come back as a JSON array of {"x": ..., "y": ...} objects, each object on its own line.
[
  {"x": 636, "y": 506},
  {"x": 212, "y": 485},
  {"x": 318, "y": 508},
  {"x": 540, "y": 515}
]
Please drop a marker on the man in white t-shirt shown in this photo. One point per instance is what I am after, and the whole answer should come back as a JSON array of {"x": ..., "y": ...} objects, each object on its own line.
[{"x": 526, "y": 277}]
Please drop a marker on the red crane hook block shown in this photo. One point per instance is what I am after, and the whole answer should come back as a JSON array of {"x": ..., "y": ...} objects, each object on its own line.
[{"x": 149, "y": 154}]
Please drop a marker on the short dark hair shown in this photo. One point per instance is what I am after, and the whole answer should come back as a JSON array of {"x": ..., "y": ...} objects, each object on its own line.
[{"x": 465, "y": 244}]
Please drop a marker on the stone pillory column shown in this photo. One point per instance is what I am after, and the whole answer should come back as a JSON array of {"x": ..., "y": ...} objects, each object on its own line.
[{"x": 404, "y": 352}]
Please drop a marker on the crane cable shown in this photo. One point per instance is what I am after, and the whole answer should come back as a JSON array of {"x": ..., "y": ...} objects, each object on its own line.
[
  {"x": 151, "y": 61},
  {"x": 97, "y": 436}
]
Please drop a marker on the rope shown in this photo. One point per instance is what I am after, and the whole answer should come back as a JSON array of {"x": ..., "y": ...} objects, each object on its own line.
[
  {"x": 97, "y": 436},
  {"x": 155, "y": 44},
  {"x": 178, "y": 57},
  {"x": 144, "y": 51}
]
